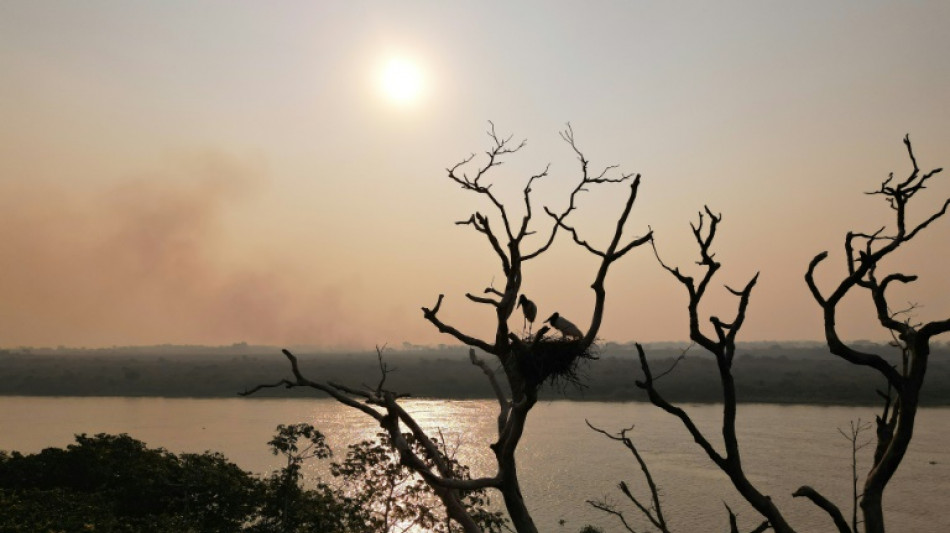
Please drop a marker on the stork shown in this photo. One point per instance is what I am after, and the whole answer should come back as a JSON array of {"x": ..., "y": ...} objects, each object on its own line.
[
  {"x": 530, "y": 311},
  {"x": 565, "y": 326}
]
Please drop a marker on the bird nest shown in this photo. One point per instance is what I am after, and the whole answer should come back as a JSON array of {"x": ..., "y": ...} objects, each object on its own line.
[{"x": 557, "y": 362}]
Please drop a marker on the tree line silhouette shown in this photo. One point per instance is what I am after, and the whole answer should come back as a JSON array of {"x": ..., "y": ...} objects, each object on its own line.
[{"x": 765, "y": 373}]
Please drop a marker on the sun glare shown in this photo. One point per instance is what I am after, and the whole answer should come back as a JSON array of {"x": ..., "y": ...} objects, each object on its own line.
[{"x": 401, "y": 81}]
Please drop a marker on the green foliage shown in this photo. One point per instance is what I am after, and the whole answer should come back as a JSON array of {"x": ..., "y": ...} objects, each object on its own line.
[
  {"x": 287, "y": 439},
  {"x": 321, "y": 509},
  {"x": 397, "y": 498},
  {"x": 287, "y": 506},
  {"x": 115, "y": 483},
  {"x": 377, "y": 494}
]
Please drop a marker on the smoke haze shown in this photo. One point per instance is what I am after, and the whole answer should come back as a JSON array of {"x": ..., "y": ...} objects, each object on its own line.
[{"x": 143, "y": 258}]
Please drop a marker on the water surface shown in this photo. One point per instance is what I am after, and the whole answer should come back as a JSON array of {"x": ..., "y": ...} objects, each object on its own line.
[{"x": 562, "y": 462}]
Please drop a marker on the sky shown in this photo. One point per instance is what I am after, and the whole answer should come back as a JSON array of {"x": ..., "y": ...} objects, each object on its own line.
[{"x": 195, "y": 172}]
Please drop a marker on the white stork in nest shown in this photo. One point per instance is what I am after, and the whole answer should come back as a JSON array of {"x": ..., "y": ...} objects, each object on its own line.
[{"x": 565, "y": 326}]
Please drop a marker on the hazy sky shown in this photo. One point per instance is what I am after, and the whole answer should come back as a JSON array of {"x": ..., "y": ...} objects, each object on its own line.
[{"x": 214, "y": 172}]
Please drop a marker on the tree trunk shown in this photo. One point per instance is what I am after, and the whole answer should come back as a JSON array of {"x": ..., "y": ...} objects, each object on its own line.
[
  {"x": 524, "y": 397},
  {"x": 455, "y": 510},
  {"x": 908, "y": 399},
  {"x": 521, "y": 519}
]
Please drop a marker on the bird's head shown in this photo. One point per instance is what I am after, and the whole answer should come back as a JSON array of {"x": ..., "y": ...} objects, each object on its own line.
[
  {"x": 521, "y": 300},
  {"x": 552, "y": 318}
]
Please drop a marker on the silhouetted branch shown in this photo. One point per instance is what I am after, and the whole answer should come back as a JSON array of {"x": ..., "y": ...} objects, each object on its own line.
[
  {"x": 608, "y": 508},
  {"x": 383, "y": 369},
  {"x": 482, "y": 224},
  {"x": 613, "y": 252},
  {"x": 734, "y": 523},
  {"x": 835, "y": 344},
  {"x": 895, "y": 426},
  {"x": 657, "y": 399},
  {"x": 655, "y": 516},
  {"x": 722, "y": 347},
  {"x": 339, "y": 394},
  {"x": 445, "y": 477},
  {"x": 492, "y": 290},
  {"x": 503, "y": 403},
  {"x": 581, "y": 242},
  {"x": 482, "y": 299},
  {"x": 856, "y": 429},
  {"x": 826, "y": 505},
  {"x": 523, "y": 230},
  {"x": 431, "y": 316},
  {"x": 499, "y": 148},
  {"x": 673, "y": 365},
  {"x": 586, "y": 179},
  {"x": 444, "y": 482},
  {"x": 287, "y": 384}
]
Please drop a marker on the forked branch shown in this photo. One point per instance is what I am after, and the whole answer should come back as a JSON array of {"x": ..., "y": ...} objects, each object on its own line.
[
  {"x": 722, "y": 346},
  {"x": 382, "y": 405},
  {"x": 654, "y": 512},
  {"x": 432, "y": 316},
  {"x": 863, "y": 255}
]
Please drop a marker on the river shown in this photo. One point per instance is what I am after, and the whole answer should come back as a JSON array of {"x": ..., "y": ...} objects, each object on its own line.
[{"x": 562, "y": 462}]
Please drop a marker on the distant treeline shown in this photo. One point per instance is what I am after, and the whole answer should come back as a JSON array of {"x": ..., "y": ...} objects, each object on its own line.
[{"x": 764, "y": 372}]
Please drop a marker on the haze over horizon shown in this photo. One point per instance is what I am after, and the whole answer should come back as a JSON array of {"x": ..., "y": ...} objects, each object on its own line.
[{"x": 216, "y": 172}]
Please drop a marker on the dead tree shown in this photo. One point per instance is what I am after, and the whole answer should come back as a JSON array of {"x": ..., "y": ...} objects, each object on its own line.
[
  {"x": 722, "y": 345},
  {"x": 863, "y": 254},
  {"x": 853, "y": 437},
  {"x": 514, "y": 239}
]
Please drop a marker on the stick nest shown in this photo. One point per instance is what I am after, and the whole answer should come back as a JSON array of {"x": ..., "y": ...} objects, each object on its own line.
[{"x": 558, "y": 362}]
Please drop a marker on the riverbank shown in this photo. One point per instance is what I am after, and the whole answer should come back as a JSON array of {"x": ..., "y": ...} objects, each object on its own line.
[{"x": 765, "y": 373}]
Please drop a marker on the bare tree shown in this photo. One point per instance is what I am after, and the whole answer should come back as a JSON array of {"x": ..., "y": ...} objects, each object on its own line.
[
  {"x": 864, "y": 253},
  {"x": 853, "y": 436},
  {"x": 722, "y": 345},
  {"x": 514, "y": 239},
  {"x": 895, "y": 425}
]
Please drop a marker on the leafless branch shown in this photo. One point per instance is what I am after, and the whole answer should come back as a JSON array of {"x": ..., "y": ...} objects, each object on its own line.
[
  {"x": 492, "y": 290},
  {"x": 722, "y": 346},
  {"x": 287, "y": 384},
  {"x": 500, "y": 147},
  {"x": 526, "y": 219},
  {"x": 482, "y": 299},
  {"x": 734, "y": 523},
  {"x": 432, "y": 316},
  {"x": 676, "y": 362},
  {"x": 607, "y": 507},
  {"x": 825, "y": 505},
  {"x": 895, "y": 426},
  {"x": 482, "y": 224},
  {"x": 585, "y": 181},
  {"x": 657, "y": 399},
  {"x": 503, "y": 404},
  {"x": 655, "y": 513},
  {"x": 856, "y": 428},
  {"x": 384, "y": 369}
]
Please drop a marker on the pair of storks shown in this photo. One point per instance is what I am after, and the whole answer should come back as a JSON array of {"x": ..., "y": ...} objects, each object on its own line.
[{"x": 558, "y": 322}]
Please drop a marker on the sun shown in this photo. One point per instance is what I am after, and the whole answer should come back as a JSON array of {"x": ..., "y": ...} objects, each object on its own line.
[{"x": 401, "y": 80}]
